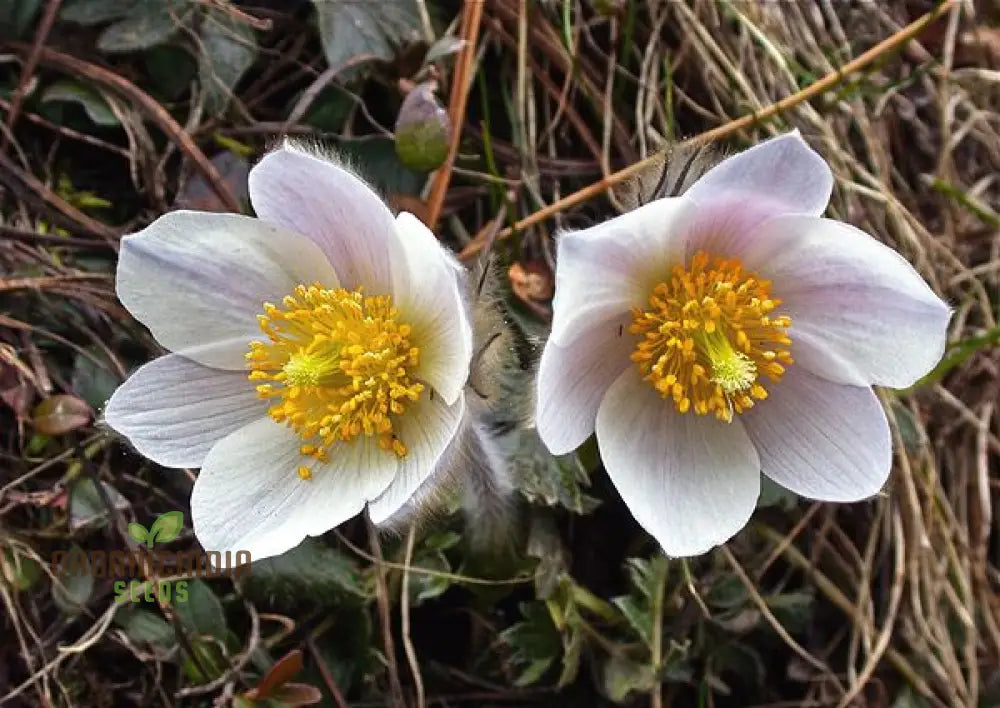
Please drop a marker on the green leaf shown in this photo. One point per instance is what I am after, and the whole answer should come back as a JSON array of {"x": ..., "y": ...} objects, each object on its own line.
[
  {"x": 166, "y": 527},
  {"x": 331, "y": 109},
  {"x": 311, "y": 571},
  {"x": 201, "y": 612},
  {"x": 545, "y": 544},
  {"x": 211, "y": 661},
  {"x": 430, "y": 555},
  {"x": 95, "y": 12},
  {"x": 648, "y": 578},
  {"x": 638, "y": 615},
  {"x": 535, "y": 642},
  {"x": 139, "y": 533},
  {"x": 423, "y": 586},
  {"x": 92, "y": 382},
  {"x": 229, "y": 49},
  {"x": 21, "y": 572},
  {"x": 533, "y": 672},
  {"x": 170, "y": 69},
  {"x": 957, "y": 354},
  {"x": 147, "y": 25},
  {"x": 550, "y": 480},
  {"x": 145, "y": 628},
  {"x": 741, "y": 660},
  {"x": 347, "y": 651},
  {"x": 72, "y": 591},
  {"x": 348, "y": 28},
  {"x": 86, "y": 507},
  {"x": 773, "y": 494},
  {"x": 16, "y": 16},
  {"x": 572, "y": 650},
  {"x": 727, "y": 593},
  {"x": 793, "y": 609},
  {"x": 622, "y": 676},
  {"x": 376, "y": 159}
]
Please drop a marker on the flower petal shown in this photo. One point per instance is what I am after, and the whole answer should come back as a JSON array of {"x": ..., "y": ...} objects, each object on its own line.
[
  {"x": 347, "y": 220},
  {"x": 860, "y": 312},
  {"x": 691, "y": 481},
  {"x": 198, "y": 280},
  {"x": 427, "y": 429},
  {"x": 820, "y": 439},
  {"x": 249, "y": 497},
  {"x": 782, "y": 175},
  {"x": 573, "y": 379},
  {"x": 427, "y": 291},
  {"x": 608, "y": 269},
  {"x": 173, "y": 409}
]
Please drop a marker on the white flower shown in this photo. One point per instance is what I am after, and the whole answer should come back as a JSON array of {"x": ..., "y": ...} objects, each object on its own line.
[
  {"x": 730, "y": 331},
  {"x": 320, "y": 355}
]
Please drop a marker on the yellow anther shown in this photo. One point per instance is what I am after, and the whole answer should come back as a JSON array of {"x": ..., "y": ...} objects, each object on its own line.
[
  {"x": 708, "y": 337},
  {"x": 338, "y": 365}
]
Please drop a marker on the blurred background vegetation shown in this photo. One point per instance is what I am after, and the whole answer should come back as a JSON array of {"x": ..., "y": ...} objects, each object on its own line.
[{"x": 115, "y": 111}]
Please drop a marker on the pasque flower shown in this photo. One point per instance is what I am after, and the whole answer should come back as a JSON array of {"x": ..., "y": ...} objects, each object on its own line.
[
  {"x": 319, "y": 355},
  {"x": 732, "y": 331}
]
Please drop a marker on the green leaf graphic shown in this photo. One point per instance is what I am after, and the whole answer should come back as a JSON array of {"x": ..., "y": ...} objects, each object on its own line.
[
  {"x": 139, "y": 533},
  {"x": 166, "y": 527}
]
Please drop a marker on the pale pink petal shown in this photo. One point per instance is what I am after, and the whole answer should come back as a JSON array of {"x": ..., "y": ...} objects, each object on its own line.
[
  {"x": 428, "y": 290},
  {"x": 173, "y": 409},
  {"x": 782, "y": 175},
  {"x": 860, "y": 312},
  {"x": 821, "y": 439},
  {"x": 691, "y": 481},
  {"x": 427, "y": 429},
  {"x": 333, "y": 207},
  {"x": 198, "y": 280},
  {"x": 572, "y": 381},
  {"x": 249, "y": 497},
  {"x": 606, "y": 270}
]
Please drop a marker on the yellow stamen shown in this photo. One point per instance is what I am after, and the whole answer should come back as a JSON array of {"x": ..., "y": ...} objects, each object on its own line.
[
  {"x": 336, "y": 365},
  {"x": 708, "y": 336}
]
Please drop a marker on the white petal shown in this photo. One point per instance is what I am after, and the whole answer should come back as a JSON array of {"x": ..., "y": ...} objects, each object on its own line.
[
  {"x": 173, "y": 410},
  {"x": 820, "y": 439},
  {"x": 198, "y": 280},
  {"x": 333, "y": 207},
  {"x": 691, "y": 481},
  {"x": 728, "y": 224},
  {"x": 860, "y": 312},
  {"x": 427, "y": 428},
  {"x": 428, "y": 291},
  {"x": 249, "y": 497},
  {"x": 572, "y": 381},
  {"x": 782, "y": 175},
  {"x": 604, "y": 271}
]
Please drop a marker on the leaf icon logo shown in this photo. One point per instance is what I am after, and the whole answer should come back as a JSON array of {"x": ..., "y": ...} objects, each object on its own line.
[
  {"x": 166, "y": 528},
  {"x": 139, "y": 533}
]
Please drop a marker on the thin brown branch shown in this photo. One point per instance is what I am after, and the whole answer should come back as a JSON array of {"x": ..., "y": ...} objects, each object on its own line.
[
  {"x": 28, "y": 70},
  {"x": 149, "y": 105},
  {"x": 815, "y": 89},
  {"x": 472, "y": 14}
]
